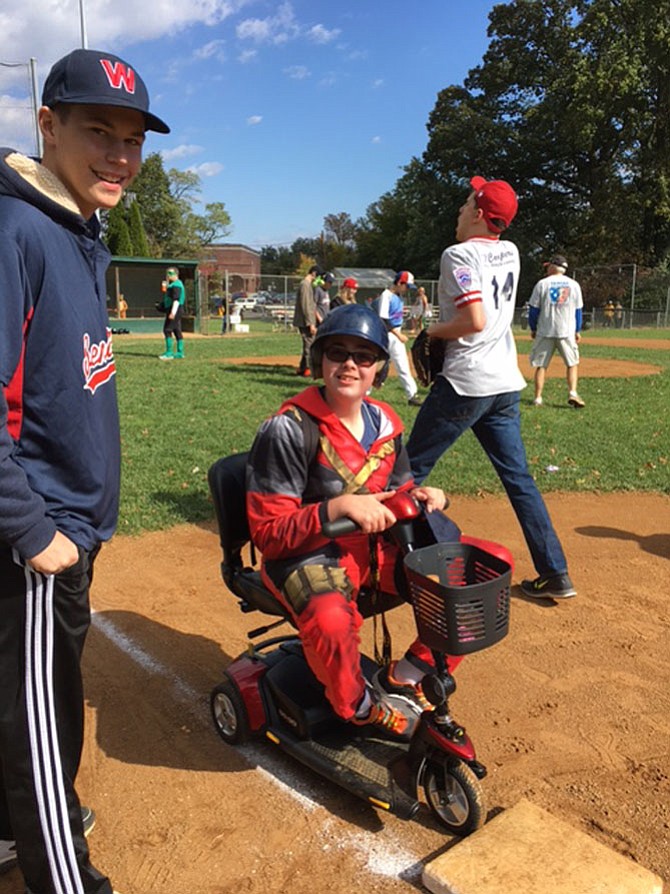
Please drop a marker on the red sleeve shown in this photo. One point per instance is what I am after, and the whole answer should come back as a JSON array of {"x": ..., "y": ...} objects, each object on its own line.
[{"x": 280, "y": 524}]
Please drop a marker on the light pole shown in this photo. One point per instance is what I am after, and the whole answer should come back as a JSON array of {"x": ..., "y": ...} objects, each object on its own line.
[
  {"x": 82, "y": 25},
  {"x": 33, "y": 87}
]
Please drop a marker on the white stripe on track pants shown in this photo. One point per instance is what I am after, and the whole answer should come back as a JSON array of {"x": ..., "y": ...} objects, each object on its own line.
[{"x": 43, "y": 624}]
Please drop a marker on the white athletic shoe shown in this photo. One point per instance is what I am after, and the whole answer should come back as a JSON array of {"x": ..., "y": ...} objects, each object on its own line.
[
  {"x": 537, "y": 402},
  {"x": 8, "y": 859}
]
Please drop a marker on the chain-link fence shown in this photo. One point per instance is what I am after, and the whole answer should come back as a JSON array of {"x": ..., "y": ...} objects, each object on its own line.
[
  {"x": 614, "y": 298},
  {"x": 273, "y": 299}
]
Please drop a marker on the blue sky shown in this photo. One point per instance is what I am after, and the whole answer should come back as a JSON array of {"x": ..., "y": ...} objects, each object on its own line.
[{"x": 288, "y": 110}]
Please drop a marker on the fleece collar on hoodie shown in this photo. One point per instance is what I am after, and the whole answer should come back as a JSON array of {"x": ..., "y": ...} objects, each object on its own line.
[{"x": 43, "y": 180}]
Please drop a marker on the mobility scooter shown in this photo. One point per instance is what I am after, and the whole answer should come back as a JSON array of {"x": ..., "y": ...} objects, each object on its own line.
[{"x": 460, "y": 593}]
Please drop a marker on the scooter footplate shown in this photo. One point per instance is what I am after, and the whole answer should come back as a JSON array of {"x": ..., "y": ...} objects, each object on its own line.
[
  {"x": 372, "y": 765},
  {"x": 362, "y": 766}
]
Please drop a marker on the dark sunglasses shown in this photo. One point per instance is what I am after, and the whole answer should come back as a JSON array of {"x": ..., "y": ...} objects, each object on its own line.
[{"x": 337, "y": 354}]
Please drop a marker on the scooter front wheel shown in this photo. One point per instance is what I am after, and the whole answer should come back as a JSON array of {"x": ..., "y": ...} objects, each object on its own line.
[
  {"x": 454, "y": 796},
  {"x": 229, "y": 713}
]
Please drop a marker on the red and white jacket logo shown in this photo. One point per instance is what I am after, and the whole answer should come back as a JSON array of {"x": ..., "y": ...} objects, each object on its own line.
[
  {"x": 119, "y": 75},
  {"x": 98, "y": 364}
]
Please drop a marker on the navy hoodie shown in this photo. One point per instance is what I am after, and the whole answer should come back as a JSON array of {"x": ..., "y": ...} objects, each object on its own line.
[{"x": 59, "y": 426}]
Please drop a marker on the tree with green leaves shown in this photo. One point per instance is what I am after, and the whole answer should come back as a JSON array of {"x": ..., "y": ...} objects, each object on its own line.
[
  {"x": 117, "y": 235},
  {"x": 138, "y": 237},
  {"x": 167, "y": 202},
  {"x": 161, "y": 213}
]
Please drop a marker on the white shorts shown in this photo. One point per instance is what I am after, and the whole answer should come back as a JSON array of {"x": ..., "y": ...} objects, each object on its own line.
[{"x": 543, "y": 350}]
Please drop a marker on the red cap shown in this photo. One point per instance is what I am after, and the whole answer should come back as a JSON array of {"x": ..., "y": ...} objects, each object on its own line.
[
  {"x": 350, "y": 283},
  {"x": 497, "y": 200}
]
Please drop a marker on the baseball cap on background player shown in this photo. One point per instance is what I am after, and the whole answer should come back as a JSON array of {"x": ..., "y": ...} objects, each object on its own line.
[
  {"x": 557, "y": 261},
  {"x": 404, "y": 277},
  {"x": 350, "y": 283},
  {"x": 91, "y": 77},
  {"x": 328, "y": 278},
  {"x": 497, "y": 201}
]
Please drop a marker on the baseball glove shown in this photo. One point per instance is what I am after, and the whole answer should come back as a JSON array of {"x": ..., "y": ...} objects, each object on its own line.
[{"x": 428, "y": 357}]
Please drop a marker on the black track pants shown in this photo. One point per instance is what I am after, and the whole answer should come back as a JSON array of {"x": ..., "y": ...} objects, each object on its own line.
[{"x": 43, "y": 625}]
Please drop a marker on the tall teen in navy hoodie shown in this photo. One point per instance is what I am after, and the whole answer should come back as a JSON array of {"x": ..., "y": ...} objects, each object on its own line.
[{"x": 59, "y": 447}]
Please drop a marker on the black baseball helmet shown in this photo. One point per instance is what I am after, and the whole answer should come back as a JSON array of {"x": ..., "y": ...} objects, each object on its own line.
[{"x": 351, "y": 319}]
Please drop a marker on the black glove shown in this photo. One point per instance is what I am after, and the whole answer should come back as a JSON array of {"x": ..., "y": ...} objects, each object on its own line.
[{"x": 428, "y": 357}]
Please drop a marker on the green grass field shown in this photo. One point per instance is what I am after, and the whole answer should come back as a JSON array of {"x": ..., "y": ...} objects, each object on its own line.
[{"x": 177, "y": 418}]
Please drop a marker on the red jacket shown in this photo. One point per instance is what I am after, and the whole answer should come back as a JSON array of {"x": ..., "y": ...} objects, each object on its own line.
[{"x": 287, "y": 493}]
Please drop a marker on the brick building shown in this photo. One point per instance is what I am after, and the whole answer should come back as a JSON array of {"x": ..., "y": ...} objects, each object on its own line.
[{"x": 241, "y": 263}]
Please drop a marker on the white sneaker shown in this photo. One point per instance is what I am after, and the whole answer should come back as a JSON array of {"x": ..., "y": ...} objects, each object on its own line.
[
  {"x": 8, "y": 859},
  {"x": 537, "y": 402}
]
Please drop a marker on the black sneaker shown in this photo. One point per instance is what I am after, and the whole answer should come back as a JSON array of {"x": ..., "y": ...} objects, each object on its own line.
[
  {"x": 8, "y": 858},
  {"x": 415, "y": 401},
  {"x": 549, "y": 586},
  {"x": 88, "y": 820}
]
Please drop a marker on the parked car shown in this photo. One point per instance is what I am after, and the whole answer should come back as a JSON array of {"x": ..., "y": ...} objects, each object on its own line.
[{"x": 246, "y": 303}]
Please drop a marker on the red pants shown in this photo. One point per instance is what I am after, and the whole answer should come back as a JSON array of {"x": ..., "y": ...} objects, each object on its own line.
[{"x": 329, "y": 622}]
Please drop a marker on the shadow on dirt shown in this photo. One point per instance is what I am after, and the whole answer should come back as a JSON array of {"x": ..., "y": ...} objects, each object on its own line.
[
  {"x": 150, "y": 686},
  {"x": 656, "y": 544}
]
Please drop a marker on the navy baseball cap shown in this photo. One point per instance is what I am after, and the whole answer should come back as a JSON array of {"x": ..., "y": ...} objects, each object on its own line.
[{"x": 91, "y": 77}]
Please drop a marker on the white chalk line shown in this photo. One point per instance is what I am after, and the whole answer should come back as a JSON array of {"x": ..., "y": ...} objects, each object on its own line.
[{"x": 385, "y": 858}]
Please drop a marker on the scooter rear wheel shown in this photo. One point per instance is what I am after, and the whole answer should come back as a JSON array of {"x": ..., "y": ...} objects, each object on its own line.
[
  {"x": 454, "y": 796},
  {"x": 229, "y": 713}
]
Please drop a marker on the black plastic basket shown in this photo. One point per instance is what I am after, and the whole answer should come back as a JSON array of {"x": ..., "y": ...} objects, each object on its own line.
[{"x": 467, "y": 607}]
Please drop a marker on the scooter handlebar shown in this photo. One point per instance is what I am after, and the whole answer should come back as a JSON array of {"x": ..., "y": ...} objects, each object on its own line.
[
  {"x": 339, "y": 527},
  {"x": 401, "y": 505}
]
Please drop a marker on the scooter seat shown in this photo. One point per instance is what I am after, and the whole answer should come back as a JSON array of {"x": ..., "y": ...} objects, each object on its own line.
[{"x": 247, "y": 585}]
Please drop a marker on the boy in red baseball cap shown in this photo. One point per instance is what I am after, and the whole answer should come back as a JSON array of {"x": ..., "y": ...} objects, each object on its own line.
[
  {"x": 480, "y": 382},
  {"x": 59, "y": 448}
]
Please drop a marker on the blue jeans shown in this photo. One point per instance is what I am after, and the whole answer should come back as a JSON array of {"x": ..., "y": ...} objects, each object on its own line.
[{"x": 496, "y": 423}]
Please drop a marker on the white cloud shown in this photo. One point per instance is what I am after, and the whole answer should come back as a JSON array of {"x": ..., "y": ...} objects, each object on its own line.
[
  {"x": 319, "y": 34},
  {"x": 254, "y": 119},
  {"x": 247, "y": 56},
  {"x": 283, "y": 27},
  {"x": 212, "y": 49},
  {"x": 276, "y": 29},
  {"x": 48, "y": 31},
  {"x": 18, "y": 124},
  {"x": 378, "y": 83},
  {"x": 328, "y": 80},
  {"x": 297, "y": 72},
  {"x": 376, "y": 140},
  {"x": 206, "y": 169},
  {"x": 182, "y": 151}
]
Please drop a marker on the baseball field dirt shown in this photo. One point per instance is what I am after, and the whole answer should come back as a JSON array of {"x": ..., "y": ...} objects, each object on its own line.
[{"x": 571, "y": 711}]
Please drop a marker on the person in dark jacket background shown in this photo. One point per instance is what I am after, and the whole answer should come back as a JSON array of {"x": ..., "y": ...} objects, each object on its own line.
[
  {"x": 59, "y": 448},
  {"x": 304, "y": 318}
]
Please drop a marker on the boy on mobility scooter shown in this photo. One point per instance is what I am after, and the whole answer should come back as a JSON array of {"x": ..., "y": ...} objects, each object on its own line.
[
  {"x": 331, "y": 504},
  {"x": 359, "y": 465}
]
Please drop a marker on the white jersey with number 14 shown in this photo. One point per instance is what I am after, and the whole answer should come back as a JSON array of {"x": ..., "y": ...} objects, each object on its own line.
[{"x": 485, "y": 270}]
